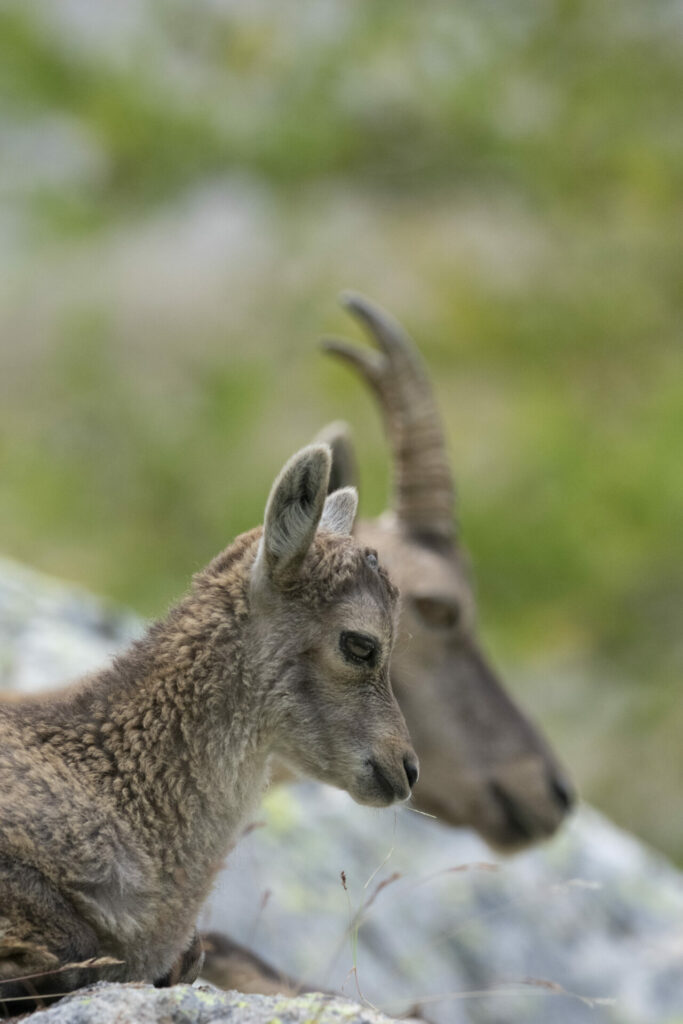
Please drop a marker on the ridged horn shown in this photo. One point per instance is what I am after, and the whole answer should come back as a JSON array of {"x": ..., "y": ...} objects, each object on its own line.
[
  {"x": 344, "y": 471},
  {"x": 423, "y": 483}
]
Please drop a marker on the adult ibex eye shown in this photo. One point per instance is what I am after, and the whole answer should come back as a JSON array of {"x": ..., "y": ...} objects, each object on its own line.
[
  {"x": 358, "y": 647},
  {"x": 437, "y": 612}
]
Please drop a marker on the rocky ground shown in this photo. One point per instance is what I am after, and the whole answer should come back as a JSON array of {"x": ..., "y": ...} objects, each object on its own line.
[{"x": 112, "y": 1004}]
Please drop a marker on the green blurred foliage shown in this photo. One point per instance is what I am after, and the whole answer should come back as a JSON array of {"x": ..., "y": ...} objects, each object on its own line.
[{"x": 509, "y": 178}]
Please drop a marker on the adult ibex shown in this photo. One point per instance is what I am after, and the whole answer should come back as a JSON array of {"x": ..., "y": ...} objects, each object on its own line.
[
  {"x": 483, "y": 763},
  {"x": 120, "y": 798}
]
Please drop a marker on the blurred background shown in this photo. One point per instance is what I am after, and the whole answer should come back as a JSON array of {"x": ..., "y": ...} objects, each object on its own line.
[{"x": 185, "y": 190}]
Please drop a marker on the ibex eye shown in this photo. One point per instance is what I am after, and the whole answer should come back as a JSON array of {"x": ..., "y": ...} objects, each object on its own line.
[
  {"x": 358, "y": 647},
  {"x": 437, "y": 612}
]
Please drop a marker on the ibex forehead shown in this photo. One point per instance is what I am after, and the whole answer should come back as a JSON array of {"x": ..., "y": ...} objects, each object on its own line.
[
  {"x": 415, "y": 567},
  {"x": 427, "y": 573},
  {"x": 364, "y": 612},
  {"x": 338, "y": 567}
]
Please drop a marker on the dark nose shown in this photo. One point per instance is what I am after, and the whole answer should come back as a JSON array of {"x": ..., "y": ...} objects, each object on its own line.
[
  {"x": 563, "y": 792},
  {"x": 412, "y": 772}
]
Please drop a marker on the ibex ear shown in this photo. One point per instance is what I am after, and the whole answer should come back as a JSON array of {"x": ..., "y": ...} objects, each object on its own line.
[
  {"x": 344, "y": 471},
  {"x": 340, "y": 511},
  {"x": 293, "y": 511}
]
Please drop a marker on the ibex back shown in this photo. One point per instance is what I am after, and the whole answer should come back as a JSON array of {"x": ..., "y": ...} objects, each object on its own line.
[{"x": 120, "y": 798}]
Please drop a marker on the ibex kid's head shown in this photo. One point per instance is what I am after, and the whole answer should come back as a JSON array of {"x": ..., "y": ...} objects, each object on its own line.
[
  {"x": 483, "y": 762},
  {"x": 322, "y": 619}
]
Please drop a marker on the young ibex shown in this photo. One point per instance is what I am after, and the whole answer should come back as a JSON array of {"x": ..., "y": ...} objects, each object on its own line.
[
  {"x": 120, "y": 798},
  {"x": 483, "y": 763}
]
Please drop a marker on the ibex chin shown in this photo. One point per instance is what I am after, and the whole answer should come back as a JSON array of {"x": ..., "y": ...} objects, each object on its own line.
[
  {"x": 483, "y": 763},
  {"x": 120, "y": 797}
]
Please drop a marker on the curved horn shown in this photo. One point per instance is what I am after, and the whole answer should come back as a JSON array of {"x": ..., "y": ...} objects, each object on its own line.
[
  {"x": 424, "y": 493},
  {"x": 344, "y": 472}
]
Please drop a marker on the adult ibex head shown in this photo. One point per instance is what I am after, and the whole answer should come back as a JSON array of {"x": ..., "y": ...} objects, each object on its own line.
[
  {"x": 120, "y": 796},
  {"x": 483, "y": 763}
]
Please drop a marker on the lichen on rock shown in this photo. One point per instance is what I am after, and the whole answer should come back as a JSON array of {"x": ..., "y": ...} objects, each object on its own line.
[{"x": 199, "y": 1004}]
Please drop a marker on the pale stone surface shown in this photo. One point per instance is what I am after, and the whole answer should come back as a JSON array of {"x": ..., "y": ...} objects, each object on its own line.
[{"x": 187, "y": 1004}]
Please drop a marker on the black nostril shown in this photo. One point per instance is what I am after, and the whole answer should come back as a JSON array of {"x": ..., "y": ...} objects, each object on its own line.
[
  {"x": 411, "y": 770},
  {"x": 563, "y": 793}
]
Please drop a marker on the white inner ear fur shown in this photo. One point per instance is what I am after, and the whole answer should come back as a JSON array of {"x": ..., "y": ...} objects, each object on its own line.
[{"x": 340, "y": 511}]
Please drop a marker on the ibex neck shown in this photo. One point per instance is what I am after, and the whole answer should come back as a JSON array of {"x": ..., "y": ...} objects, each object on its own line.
[
  {"x": 163, "y": 758},
  {"x": 181, "y": 726},
  {"x": 181, "y": 719}
]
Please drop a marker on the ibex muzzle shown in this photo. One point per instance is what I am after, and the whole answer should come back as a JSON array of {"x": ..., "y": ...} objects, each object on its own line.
[{"x": 483, "y": 763}]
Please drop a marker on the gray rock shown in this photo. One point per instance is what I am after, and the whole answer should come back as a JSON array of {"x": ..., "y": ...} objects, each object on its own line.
[
  {"x": 199, "y": 1004},
  {"x": 587, "y": 928},
  {"x": 51, "y": 632}
]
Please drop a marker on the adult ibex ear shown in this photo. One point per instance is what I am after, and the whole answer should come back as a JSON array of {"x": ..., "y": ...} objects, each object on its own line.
[
  {"x": 293, "y": 512},
  {"x": 340, "y": 511},
  {"x": 344, "y": 471}
]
